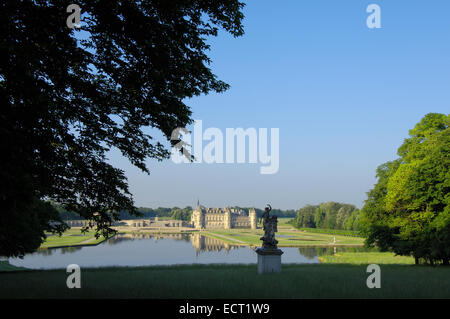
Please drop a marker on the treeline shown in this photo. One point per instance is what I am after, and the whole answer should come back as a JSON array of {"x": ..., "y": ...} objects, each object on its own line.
[
  {"x": 275, "y": 211},
  {"x": 171, "y": 212},
  {"x": 279, "y": 212},
  {"x": 166, "y": 212},
  {"x": 331, "y": 215},
  {"x": 145, "y": 212}
]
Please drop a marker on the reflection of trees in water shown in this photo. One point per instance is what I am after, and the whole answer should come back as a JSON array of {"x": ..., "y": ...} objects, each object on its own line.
[
  {"x": 117, "y": 240},
  {"x": 308, "y": 252},
  {"x": 69, "y": 250},
  {"x": 324, "y": 251},
  {"x": 63, "y": 250},
  {"x": 44, "y": 252}
]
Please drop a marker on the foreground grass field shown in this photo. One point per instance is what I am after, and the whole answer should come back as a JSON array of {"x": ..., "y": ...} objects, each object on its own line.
[
  {"x": 231, "y": 281},
  {"x": 6, "y": 266}
]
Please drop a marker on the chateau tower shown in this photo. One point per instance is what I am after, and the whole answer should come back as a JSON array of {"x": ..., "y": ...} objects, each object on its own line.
[
  {"x": 198, "y": 217},
  {"x": 253, "y": 218},
  {"x": 227, "y": 219}
]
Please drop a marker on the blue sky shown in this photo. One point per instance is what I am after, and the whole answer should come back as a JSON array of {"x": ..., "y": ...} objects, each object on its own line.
[{"x": 342, "y": 95}]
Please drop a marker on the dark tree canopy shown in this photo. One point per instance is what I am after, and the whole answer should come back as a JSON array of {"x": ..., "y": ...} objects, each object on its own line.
[{"x": 68, "y": 96}]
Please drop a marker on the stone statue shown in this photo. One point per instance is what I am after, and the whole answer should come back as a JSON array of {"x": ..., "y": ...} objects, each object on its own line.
[
  {"x": 270, "y": 228},
  {"x": 269, "y": 256}
]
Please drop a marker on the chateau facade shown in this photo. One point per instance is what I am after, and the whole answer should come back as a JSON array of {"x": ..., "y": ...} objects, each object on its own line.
[{"x": 222, "y": 218}]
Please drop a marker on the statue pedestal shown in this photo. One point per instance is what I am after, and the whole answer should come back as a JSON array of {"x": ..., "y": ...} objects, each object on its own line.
[{"x": 269, "y": 260}]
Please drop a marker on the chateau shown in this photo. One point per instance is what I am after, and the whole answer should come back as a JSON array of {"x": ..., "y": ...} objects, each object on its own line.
[{"x": 222, "y": 218}]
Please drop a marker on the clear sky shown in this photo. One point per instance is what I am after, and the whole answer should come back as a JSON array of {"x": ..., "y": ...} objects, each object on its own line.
[{"x": 342, "y": 95}]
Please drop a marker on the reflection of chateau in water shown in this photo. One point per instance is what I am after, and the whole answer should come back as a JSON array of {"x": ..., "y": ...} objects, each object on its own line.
[
  {"x": 205, "y": 244},
  {"x": 199, "y": 242}
]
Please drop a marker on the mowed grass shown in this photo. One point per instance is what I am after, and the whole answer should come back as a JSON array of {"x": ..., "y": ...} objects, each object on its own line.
[
  {"x": 364, "y": 258},
  {"x": 287, "y": 236},
  {"x": 72, "y": 237},
  {"x": 231, "y": 281}
]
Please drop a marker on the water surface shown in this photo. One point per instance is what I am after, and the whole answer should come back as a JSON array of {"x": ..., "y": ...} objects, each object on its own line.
[{"x": 150, "y": 249}]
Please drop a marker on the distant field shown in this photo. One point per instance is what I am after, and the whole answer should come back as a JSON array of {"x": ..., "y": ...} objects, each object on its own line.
[
  {"x": 287, "y": 236},
  {"x": 231, "y": 281}
]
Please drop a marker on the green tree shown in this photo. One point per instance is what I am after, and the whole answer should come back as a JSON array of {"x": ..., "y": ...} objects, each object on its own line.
[
  {"x": 182, "y": 213},
  {"x": 408, "y": 210},
  {"x": 305, "y": 217},
  {"x": 319, "y": 217},
  {"x": 352, "y": 222},
  {"x": 330, "y": 215},
  {"x": 69, "y": 96},
  {"x": 343, "y": 214},
  {"x": 329, "y": 212}
]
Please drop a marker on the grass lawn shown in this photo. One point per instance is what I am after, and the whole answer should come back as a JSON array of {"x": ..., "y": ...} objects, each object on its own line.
[
  {"x": 231, "y": 281},
  {"x": 72, "y": 237},
  {"x": 364, "y": 258}
]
